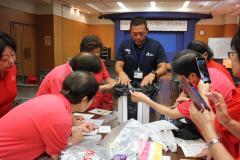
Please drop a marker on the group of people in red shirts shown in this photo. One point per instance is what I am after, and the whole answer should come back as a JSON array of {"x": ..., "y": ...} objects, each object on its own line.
[{"x": 45, "y": 123}]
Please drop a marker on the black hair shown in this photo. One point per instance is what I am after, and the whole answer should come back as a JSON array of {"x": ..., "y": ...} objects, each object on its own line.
[
  {"x": 86, "y": 62},
  {"x": 136, "y": 21},
  {"x": 184, "y": 63},
  {"x": 201, "y": 47},
  {"x": 79, "y": 85},
  {"x": 235, "y": 43},
  {"x": 90, "y": 43},
  {"x": 6, "y": 40}
]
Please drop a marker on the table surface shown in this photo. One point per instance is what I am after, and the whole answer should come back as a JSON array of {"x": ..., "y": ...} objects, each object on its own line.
[{"x": 174, "y": 156}]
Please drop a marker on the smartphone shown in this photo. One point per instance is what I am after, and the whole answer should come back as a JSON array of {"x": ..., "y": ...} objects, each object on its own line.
[
  {"x": 194, "y": 94},
  {"x": 202, "y": 67}
]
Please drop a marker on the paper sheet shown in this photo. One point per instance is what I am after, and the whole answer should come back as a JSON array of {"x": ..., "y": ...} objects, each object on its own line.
[
  {"x": 97, "y": 122},
  {"x": 166, "y": 158},
  {"x": 191, "y": 148},
  {"x": 101, "y": 129},
  {"x": 160, "y": 125},
  {"x": 86, "y": 117},
  {"x": 100, "y": 112},
  {"x": 104, "y": 129}
]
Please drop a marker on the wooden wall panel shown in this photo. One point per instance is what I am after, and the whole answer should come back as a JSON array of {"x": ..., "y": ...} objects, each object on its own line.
[
  {"x": 58, "y": 43},
  {"x": 106, "y": 33},
  {"x": 46, "y": 52},
  {"x": 73, "y": 32},
  {"x": 230, "y": 30},
  {"x": 227, "y": 30},
  {"x": 7, "y": 15},
  {"x": 210, "y": 31}
]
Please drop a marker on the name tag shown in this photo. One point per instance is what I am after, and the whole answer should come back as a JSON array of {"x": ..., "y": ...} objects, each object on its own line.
[{"x": 138, "y": 74}]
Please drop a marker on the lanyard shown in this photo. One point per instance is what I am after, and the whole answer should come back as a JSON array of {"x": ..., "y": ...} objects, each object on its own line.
[{"x": 142, "y": 53}]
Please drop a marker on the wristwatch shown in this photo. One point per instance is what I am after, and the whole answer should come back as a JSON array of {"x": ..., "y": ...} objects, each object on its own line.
[
  {"x": 212, "y": 142},
  {"x": 155, "y": 73}
]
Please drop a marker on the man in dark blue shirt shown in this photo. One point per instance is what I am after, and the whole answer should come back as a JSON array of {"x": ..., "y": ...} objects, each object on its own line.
[{"x": 140, "y": 58}]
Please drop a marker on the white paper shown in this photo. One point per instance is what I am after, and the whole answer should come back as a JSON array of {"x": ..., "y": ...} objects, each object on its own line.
[
  {"x": 100, "y": 111},
  {"x": 86, "y": 117},
  {"x": 97, "y": 122},
  {"x": 191, "y": 148},
  {"x": 160, "y": 125},
  {"x": 104, "y": 129},
  {"x": 166, "y": 158}
]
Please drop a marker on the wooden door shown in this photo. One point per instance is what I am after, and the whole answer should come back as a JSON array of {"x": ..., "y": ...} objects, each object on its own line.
[{"x": 26, "y": 38}]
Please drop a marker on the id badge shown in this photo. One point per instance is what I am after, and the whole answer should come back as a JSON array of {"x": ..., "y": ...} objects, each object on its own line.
[{"x": 138, "y": 74}]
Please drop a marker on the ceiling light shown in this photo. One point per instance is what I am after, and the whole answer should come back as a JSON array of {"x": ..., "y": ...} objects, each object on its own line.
[
  {"x": 121, "y": 5},
  {"x": 205, "y": 3},
  {"x": 88, "y": 12},
  {"x": 153, "y": 3},
  {"x": 72, "y": 10},
  {"x": 186, "y": 4},
  {"x": 237, "y": 5},
  {"x": 78, "y": 12},
  {"x": 94, "y": 7}
]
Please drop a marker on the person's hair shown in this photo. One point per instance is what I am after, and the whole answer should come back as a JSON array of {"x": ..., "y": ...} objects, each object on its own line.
[
  {"x": 136, "y": 21},
  {"x": 79, "y": 85},
  {"x": 201, "y": 47},
  {"x": 90, "y": 43},
  {"x": 235, "y": 43},
  {"x": 6, "y": 40},
  {"x": 86, "y": 62},
  {"x": 184, "y": 63}
]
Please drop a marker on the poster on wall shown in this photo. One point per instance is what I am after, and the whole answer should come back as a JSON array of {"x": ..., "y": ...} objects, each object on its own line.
[
  {"x": 220, "y": 47},
  {"x": 158, "y": 25},
  {"x": 47, "y": 40}
]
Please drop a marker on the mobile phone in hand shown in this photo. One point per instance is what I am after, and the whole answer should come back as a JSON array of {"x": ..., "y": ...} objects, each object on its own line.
[{"x": 202, "y": 67}]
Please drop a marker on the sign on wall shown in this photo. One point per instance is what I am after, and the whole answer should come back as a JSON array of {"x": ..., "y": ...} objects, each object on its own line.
[
  {"x": 220, "y": 47},
  {"x": 158, "y": 25}
]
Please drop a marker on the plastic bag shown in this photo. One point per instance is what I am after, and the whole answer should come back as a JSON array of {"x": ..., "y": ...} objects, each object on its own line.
[
  {"x": 126, "y": 139},
  {"x": 89, "y": 149}
]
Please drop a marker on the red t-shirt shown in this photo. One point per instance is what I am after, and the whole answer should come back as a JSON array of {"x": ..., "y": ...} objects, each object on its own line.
[
  {"x": 219, "y": 83},
  {"x": 52, "y": 83},
  {"x": 100, "y": 100},
  {"x": 42, "y": 124},
  {"x": 231, "y": 142},
  {"x": 8, "y": 90},
  {"x": 214, "y": 64}
]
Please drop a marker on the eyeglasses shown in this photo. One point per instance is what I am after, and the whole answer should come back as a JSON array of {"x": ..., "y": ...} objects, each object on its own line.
[{"x": 230, "y": 54}]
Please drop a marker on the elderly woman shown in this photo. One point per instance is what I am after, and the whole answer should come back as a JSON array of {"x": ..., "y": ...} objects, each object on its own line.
[
  {"x": 8, "y": 87},
  {"x": 226, "y": 125}
]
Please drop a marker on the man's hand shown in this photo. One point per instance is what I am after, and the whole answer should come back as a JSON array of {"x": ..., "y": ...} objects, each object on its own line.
[
  {"x": 148, "y": 79},
  {"x": 123, "y": 78},
  {"x": 88, "y": 127},
  {"x": 76, "y": 135}
]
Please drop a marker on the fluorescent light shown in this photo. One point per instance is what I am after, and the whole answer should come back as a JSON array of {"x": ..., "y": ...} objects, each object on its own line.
[
  {"x": 205, "y": 3},
  {"x": 94, "y": 7},
  {"x": 185, "y": 4},
  {"x": 121, "y": 5},
  {"x": 153, "y": 3},
  {"x": 72, "y": 10}
]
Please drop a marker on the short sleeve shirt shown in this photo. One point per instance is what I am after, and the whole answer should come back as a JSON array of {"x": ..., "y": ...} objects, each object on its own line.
[
  {"x": 52, "y": 83},
  {"x": 42, "y": 124},
  {"x": 145, "y": 58}
]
